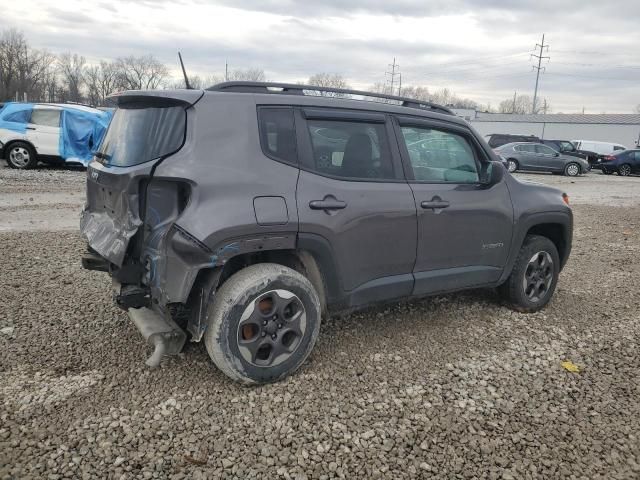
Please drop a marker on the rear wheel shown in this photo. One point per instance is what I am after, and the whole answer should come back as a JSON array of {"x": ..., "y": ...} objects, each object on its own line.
[
  {"x": 265, "y": 320},
  {"x": 624, "y": 170},
  {"x": 572, "y": 170},
  {"x": 606, "y": 172},
  {"x": 534, "y": 276},
  {"x": 21, "y": 155},
  {"x": 512, "y": 165}
]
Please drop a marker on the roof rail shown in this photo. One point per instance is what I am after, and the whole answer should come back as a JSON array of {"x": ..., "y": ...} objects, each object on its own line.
[{"x": 294, "y": 89}]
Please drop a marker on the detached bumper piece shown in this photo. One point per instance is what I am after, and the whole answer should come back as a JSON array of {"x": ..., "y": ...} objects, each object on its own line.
[
  {"x": 160, "y": 332},
  {"x": 93, "y": 261}
]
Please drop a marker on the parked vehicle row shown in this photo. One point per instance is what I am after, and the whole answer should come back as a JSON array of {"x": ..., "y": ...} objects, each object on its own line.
[{"x": 527, "y": 152}]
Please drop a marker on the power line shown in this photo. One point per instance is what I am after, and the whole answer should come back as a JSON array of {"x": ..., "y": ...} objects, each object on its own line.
[{"x": 538, "y": 68}]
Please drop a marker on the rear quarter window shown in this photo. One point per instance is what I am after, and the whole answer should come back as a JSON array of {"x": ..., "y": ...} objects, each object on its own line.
[{"x": 277, "y": 134}]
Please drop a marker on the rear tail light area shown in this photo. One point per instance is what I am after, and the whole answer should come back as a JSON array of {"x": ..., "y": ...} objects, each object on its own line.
[
  {"x": 608, "y": 158},
  {"x": 565, "y": 198}
]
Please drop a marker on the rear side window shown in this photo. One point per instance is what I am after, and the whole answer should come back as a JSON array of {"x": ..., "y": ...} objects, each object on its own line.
[
  {"x": 544, "y": 150},
  {"x": 138, "y": 134},
  {"x": 18, "y": 116},
  {"x": 351, "y": 150},
  {"x": 440, "y": 156},
  {"x": 46, "y": 116},
  {"x": 278, "y": 134},
  {"x": 526, "y": 148}
]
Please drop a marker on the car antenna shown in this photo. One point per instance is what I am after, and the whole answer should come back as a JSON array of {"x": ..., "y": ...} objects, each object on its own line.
[{"x": 184, "y": 72}]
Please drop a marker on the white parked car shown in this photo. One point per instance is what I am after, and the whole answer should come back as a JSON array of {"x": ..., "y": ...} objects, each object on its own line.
[
  {"x": 601, "y": 148},
  {"x": 50, "y": 133}
]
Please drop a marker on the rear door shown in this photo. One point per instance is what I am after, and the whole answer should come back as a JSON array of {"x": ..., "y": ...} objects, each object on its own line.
[
  {"x": 44, "y": 130},
  {"x": 634, "y": 156},
  {"x": 353, "y": 198},
  {"x": 528, "y": 157},
  {"x": 464, "y": 227}
]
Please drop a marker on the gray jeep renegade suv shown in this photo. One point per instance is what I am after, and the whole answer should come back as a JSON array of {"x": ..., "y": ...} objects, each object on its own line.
[{"x": 243, "y": 213}]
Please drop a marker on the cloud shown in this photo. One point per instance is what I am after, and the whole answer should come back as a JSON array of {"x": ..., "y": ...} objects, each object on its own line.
[{"x": 479, "y": 49}]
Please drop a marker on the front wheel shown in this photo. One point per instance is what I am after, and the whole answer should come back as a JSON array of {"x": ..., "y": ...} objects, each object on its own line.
[
  {"x": 534, "y": 276},
  {"x": 572, "y": 170},
  {"x": 265, "y": 320},
  {"x": 21, "y": 155},
  {"x": 624, "y": 170}
]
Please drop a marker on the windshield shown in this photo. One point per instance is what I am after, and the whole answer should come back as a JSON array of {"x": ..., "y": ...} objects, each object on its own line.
[
  {"x": 567, "y": 147},
  {"x": 140, "y": 134}
]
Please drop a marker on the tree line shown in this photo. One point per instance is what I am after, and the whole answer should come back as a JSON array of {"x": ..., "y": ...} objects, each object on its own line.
[{"x": 35, "y": 75}]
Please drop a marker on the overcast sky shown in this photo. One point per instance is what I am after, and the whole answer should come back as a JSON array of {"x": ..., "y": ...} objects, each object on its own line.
[{"x": 479, "y": 49}]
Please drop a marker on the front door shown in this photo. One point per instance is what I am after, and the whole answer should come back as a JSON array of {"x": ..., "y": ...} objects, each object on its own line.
[
  {"x": 464, "y": 226},
  {"x": 548, "y": 158},
  {"x": 44, "y": 130},
  {"x": 352, "y": 195}
]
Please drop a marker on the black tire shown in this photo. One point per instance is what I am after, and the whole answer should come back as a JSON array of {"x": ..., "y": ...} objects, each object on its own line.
[
  {"x": 512, "y": 165},
  {"x": 624, "y": 170},
  {"x": 606, "y": 172},
  {"x": 21, "y": 155},
  {"x": 514, "y": 290},
  {"x": 245, "y": 292},
  {"x": 572, "y": 169}
]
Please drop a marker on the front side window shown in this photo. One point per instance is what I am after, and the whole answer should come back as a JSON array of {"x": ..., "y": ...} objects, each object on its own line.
[
  {"x": 48, "y": 117},
  {"x": 567, "y": 147},
  {"x": 139, "y": 133},
  {"x": 440, "y": 156},
  {"x": 618, "y": 147},
  {"x": 352, "y": 150},
  {"x": 277, "y": 133},
  {"x": 543, "y": 149}
]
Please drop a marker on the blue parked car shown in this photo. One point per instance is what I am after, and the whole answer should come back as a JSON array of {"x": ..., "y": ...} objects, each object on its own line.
[{"x": 625, "y": 163}]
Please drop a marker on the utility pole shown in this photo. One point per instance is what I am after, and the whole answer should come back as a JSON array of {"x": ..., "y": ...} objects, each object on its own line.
[
  {"x": 513, "y": 109},
  {"x": 226, "y": 71},
  {"x": 400, "y": 86},
  {"x": 394, "y": 66},
  {"x": 538, "y": 68}
]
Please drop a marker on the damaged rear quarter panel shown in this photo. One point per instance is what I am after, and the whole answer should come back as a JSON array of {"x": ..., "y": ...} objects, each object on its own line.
[{"x": 111, "y": 215}]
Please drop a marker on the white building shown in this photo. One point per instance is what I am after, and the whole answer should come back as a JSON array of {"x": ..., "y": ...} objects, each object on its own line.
[{"x": 615, "y": 128}]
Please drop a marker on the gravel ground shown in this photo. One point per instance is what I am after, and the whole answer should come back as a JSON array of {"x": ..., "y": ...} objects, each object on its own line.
[{"x": 453, "y": 386}]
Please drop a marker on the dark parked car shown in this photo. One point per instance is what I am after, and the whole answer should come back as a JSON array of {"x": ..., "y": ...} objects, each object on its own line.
[
  {"x": 565, "y": 147},
  {"x": 496, "y": 140},
  {"x": 243, "y": 213},
  {"x": 624, "y": 163},
  {"x": 540, "y": 158}
]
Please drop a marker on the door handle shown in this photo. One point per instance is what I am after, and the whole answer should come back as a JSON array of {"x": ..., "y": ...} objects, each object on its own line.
[
  {"x": 435, "y": 204},
  {"x": 30, "y": 128},
  {"x": 329, "y": 203}
]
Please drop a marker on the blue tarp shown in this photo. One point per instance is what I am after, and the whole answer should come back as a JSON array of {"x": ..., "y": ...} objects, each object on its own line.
[
  {"x": 15, "y": 116},
  {"x": 81, "y": 133}
]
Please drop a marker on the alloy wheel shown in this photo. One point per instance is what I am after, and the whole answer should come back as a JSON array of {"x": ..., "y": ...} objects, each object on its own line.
[
  {"x": 271, "y": 328},
  {"x": 512, "y": 166},
  {"x": 19, "y": 157},
  {"x": 624, "y": 170},
  {"x": 573, "y": 170},
  {"x": 538, "y": 276}
]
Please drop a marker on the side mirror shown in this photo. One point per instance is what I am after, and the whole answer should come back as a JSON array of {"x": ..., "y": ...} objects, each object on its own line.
[
  {"x": 494, "y": 173},
  {"x": 556, "y": 154}
]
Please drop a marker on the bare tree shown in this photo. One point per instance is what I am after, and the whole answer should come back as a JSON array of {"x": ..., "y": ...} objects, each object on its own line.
[
  {"x": 101, "y": 81},
  {"x": 521, "y": 105},
  {"x": 72, "y": 69},
  {"x": 249, "y": 74},
  {"x": 328, "y": 80},
  {"x": 23, "y": 70},
  {"x": 140, "y": 73}
]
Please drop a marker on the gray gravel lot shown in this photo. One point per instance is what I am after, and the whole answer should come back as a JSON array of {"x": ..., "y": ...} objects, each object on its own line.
[{"x": 453, "y": 386}]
